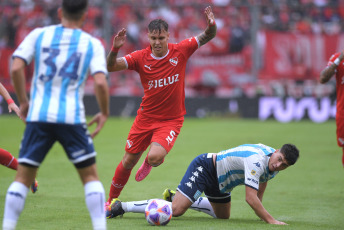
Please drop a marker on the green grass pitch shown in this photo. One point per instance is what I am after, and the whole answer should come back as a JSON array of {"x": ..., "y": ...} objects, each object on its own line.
[{"x": 308, "y": 195}]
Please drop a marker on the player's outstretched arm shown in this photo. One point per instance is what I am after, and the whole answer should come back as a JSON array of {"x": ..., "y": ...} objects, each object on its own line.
[
  {"x": 329, "y": 71},
  {"x": 255, "y": 203},
  {"x": 210, "y": 31},
  {"x": 114, "y": 63}
]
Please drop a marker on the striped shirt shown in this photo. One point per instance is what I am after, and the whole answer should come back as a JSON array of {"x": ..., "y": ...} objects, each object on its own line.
[
  {"x": 64, "y": 58},
  {"x": 244, "y": 165}
]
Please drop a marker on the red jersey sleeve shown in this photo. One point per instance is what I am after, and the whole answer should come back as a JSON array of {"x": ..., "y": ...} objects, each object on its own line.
[
  {"x": 339, "y": 84},
  {"x": 332, "y": 58},
  {"x": 132, "y": 60},
  {"x": 188, "y": 46}
]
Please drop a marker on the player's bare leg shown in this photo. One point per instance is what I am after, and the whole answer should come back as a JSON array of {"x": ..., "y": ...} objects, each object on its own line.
[
  {"x": 222, "y": 210},
  {"x": 180, "y": 204},
  {"x": 155, "y": 157}
]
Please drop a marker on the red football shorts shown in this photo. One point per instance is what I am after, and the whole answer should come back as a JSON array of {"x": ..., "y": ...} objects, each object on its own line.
[
  {"x": 340, "y": 130},
  {"x": 145, "y": 130}
]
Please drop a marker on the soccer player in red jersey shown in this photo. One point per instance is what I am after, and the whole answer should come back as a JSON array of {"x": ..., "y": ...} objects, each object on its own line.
[
  {"x": 335, "y": 66},
  {"x": 6, "y": 158},
  {"x": 161, "y": 67}
]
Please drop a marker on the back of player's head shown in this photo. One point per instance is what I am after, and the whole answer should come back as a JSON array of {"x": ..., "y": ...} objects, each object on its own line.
[
  {"x": 74, "y": 9},
  {"x": 290, "y": 152},
  {"x": 158, "y": 25}
]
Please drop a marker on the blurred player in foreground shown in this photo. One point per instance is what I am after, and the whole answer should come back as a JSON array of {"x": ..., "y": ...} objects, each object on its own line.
[
  {"x": 64, "y": 55},
  {"x": 6, "y": 158},
  {"x": 161, "y": 114},
  {"x": 335, "y": 66},
  {"x": 217, "y": 174}
]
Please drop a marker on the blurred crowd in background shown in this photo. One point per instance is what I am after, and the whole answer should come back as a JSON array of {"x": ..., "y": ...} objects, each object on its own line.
[{"x": 234, "y": 46}]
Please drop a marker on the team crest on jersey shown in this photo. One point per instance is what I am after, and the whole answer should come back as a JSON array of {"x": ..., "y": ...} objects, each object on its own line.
[
  {"x": 129, "y": 144},
  {"x": 253, "y": 172},
  {"x": 174, "y": 61}
]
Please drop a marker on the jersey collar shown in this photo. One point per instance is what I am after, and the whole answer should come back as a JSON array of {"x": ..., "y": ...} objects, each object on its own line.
[{"x": 159, "y": 58}]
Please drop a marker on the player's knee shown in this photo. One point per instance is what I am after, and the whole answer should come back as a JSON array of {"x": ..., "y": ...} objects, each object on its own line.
[
  {"x": 177, "y": 211},
  {"x": 130, "y": 160},
  {"x": 222, "y": 215},
  {"x": 155, "y": 160}
]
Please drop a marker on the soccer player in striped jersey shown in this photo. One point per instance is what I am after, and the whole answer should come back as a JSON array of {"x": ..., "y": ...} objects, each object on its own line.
[
  {"x": 160, "y": 117},
  {"x": 335, "y": 67},
  {"x": 217, "y": 174},
  {"x": 64, "y": 56}
]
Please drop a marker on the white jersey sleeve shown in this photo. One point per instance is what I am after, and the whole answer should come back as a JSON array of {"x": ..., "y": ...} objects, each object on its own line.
[
  {"x": 98, "y": 62},
  {"x": 26, "y": 50},
  {"x": 253, "y": 171}
]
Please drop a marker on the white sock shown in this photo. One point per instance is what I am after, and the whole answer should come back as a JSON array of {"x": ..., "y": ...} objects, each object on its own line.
[
  {"x": 14, "y": 204},
  {"x": 135, "y": 206},
  {"x": 95, "y": 200},
  {"x": 202, "y": 204}
]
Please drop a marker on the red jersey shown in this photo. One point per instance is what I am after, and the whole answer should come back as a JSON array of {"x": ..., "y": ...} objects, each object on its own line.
[
  {"x": 163, "y": 79},
  {"x": 339, "y": 84}
]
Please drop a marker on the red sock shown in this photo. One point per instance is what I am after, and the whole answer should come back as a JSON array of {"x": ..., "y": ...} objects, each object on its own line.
[
  {"x": 119, "y": 180},
  {"x": 8, "y": 160}
]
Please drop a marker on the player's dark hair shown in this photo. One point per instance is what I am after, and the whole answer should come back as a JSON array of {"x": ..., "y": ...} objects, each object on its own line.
[
  {"x": 74, "y": 9},
  {"x": 158, "y": 25},
  {"x": 290, "y": 152}
]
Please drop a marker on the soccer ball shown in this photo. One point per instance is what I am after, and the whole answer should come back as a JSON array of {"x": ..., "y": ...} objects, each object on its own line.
[{"x": 158, "y": 212}]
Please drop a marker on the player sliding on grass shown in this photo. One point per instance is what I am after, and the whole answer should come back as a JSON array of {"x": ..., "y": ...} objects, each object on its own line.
[
  {"x": 64, "y": 56},
  {"x": 217, "y": 174},
  {"x": 161, "y": 114},
  {"x": 6, "y": 158}
]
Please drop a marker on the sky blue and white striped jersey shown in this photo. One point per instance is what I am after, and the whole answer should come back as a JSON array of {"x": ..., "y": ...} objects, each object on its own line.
[
  {"x": 246, "y": 164},
  {"x": 64, "y": 58}
]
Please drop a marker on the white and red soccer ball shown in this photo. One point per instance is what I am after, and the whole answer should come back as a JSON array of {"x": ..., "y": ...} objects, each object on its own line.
[{"x": 158, "y": 212}]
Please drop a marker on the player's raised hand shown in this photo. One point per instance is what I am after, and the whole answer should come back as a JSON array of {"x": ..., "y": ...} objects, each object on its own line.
[
  {"x": 209, "y": 16},
  {"x": 119, "y": 39}
]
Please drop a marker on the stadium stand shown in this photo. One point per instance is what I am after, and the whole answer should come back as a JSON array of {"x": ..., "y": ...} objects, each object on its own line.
[{"x": 223, "y": 68}]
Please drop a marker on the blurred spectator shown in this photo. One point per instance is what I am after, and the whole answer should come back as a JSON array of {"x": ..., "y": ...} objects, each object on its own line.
[{"x": 234, "y": 20}]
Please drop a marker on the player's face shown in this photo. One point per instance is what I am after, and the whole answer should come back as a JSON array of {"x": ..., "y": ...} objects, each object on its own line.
[
  {"x": 159, "y": 42},
  {"x": 277, "y": 162}
]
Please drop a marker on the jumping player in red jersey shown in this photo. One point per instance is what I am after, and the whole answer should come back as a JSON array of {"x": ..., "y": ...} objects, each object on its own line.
[
  {"x": 6, "y": 158},
  {"x": 161, "y": 67},
  {"x": 335, "y": 66}
]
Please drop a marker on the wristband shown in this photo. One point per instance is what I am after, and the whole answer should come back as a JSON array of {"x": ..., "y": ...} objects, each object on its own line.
[
  {"x": 114, "y": 50},
  {"x": 10, "y": 101},
  {"x": 336, "y": 62}
]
